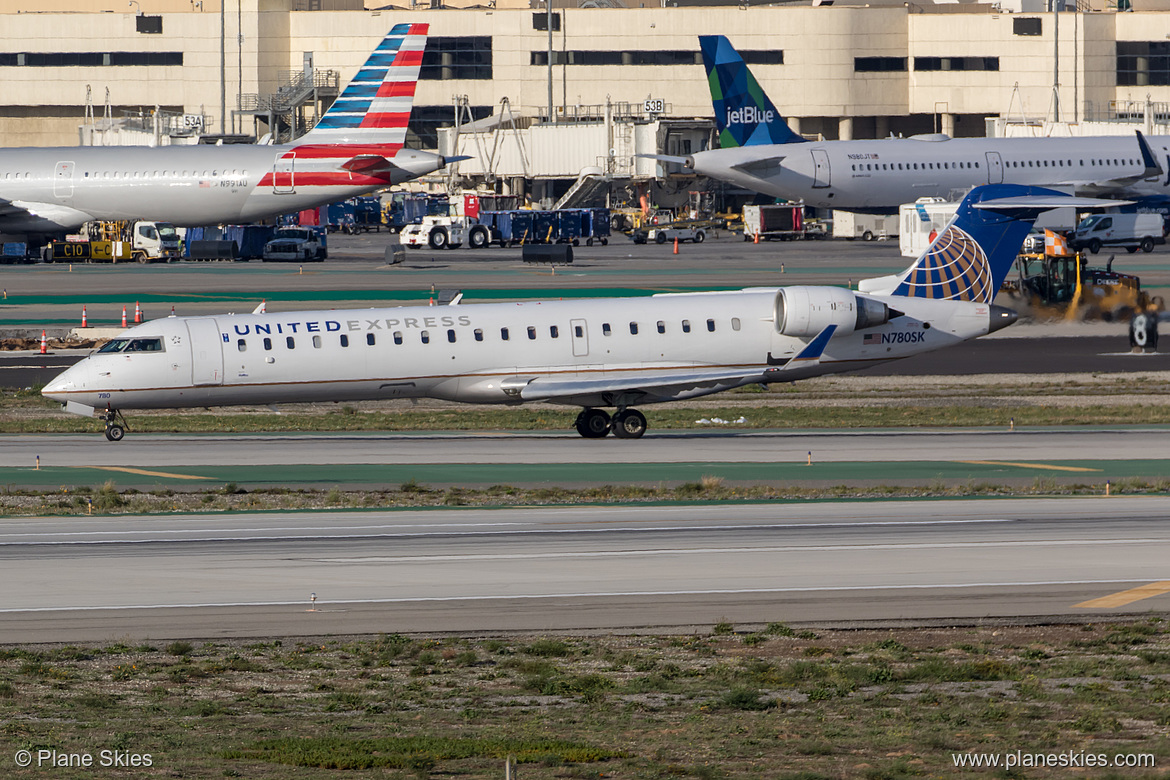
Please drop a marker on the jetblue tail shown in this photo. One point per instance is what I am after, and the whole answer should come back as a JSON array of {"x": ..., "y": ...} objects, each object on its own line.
[
  {"x": 970, "y": 258},
  {"x": 374, "y": 108},
  {"x": 744, "y": 114}
]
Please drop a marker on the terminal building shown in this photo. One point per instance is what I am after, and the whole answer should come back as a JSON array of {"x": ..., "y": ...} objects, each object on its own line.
[{"x": 612, "y": 79}]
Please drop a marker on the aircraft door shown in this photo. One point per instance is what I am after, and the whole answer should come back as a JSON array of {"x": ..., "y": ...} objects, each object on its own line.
[
  {"x": 282, "y": 174},
  {"x": 63, "y": 180},
  {"x": 994, "y": 168},
  {"x": 206, "y": 351},
  {"x": 580, "y": 332},
  {"x": 820, "y": 168}
]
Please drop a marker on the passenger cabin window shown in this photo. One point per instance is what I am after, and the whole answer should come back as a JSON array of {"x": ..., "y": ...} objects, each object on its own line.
[
  {"x": 605, "y": 331},
  {"x": 735, "y": 323},
  {"x": 711, "y": 325},
  {"x": 398, "y": 337},
  {"x": 478, "y": 334},
  {"x": 661, "y": 326},
  {"x": 578, "y": 331},
  {"x": 426, "y": 337},
  {"x": 317, "y": 342},
  {"x": 242, "y": 345},
  {"x": 633, "y": 329},
  {"x": 531, "y": 332},
  {"x": 370, "y": 339},
  {"x": 344, "y": 340},
  {"x": 554, "y": 331},
  {"x": 451, "y": 336},
  {"x": 504, "y": 334},
  {"x": 686, "y": 325},
  {"x": 267, "y": 343},
  {"x": 289, "y": 342}
]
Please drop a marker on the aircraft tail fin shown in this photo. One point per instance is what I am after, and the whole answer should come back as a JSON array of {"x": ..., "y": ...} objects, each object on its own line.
[
  {"x": 970, "y": 258},
  {"x": 743, "y": 113},
  {"x": 374, "y": 108}
]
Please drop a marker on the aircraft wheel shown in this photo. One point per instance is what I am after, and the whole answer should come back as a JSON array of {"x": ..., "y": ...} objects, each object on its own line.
[
  {"x": 629, "y": 424},
  {"x": 593, "y": 423},
  {"x": 1147, "y": 244},
  {"x": 438, "y": 238},
  {"x": 1095, "y": 245},
  {"x": 478, "y": 238},
  {"x": 115, "y": 432}
]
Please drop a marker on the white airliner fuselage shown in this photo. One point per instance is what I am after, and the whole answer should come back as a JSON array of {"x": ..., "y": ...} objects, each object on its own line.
[{"x": 879, "y": 175}]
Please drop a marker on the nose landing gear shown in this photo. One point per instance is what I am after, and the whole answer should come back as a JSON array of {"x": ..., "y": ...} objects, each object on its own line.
[
  {"x": 625, "y": 423},
  {"x": 114, "y": 431}
]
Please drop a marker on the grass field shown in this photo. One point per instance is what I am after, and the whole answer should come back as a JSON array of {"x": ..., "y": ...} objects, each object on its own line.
[{"x": 774, "y": 703}]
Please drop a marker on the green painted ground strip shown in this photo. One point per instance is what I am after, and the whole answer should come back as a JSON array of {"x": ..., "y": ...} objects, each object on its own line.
[{"x": 569, "y": 474}]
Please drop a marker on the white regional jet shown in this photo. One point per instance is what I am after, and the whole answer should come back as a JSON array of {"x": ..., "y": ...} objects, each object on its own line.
[
  {"x": 607, "y": 352},
  {"x": 357, "y": 147},
  {"x": 759, "y": 152}
]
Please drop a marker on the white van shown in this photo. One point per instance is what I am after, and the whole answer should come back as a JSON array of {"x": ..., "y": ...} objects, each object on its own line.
[{"x": 1132, "y": 231}]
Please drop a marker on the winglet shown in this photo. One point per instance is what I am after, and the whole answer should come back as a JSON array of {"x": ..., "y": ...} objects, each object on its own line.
[
  {"x": 1148, "y": 158},
  {"x": 811, "y": 354}
]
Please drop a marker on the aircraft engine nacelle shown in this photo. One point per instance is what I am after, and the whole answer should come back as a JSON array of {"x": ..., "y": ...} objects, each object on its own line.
[{"x": 806, "y": 311}]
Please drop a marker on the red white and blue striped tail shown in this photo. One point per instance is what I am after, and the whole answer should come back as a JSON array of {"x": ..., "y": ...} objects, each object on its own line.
[{"x": 374, "y": 109}]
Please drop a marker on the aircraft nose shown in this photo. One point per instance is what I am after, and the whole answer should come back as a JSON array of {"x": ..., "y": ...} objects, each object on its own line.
[{"x": 69, "y": 380}]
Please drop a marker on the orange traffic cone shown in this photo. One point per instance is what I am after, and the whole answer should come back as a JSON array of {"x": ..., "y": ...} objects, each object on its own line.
[
  {"x": 44, "y": 344},
  {"x": 84, "y": 319},
  {"x": 676, "y": 246},
  {"x": 757, "y": 239},
  {"x": 137, "y": 313},
  {"x": 123, "y": 316}
]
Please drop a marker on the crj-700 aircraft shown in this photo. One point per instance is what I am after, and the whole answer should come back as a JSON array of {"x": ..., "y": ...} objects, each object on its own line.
[
  {"x": 357, "y": 147},
  {"x": 607, "y": 352},
  {"x": 761, "y": 153}
]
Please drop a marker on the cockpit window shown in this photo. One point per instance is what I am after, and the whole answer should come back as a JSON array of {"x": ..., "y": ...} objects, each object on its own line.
[
  {"x": 114, "y": 345},
  {"x": 144, "y": 345}
]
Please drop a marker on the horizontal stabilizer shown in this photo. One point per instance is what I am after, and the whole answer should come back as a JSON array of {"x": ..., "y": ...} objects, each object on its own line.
[
  {"x": 369, "y": 165},
  {"x": 758, "y": 167},
  {"x": 1040, "y": 203},
  {"x": 666, "y": 158}
]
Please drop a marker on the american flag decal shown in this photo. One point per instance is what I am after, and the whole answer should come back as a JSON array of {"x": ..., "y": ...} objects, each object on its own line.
[{"x": 872, "y": 338}]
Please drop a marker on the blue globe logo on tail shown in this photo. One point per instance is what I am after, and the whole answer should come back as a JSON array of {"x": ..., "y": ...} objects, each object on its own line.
[{"x": 954, "y": 268}]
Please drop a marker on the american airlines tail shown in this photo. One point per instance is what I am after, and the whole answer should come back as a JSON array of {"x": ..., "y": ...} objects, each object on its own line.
[
  {"x": 360, "y": 139},
  {"x": 744, "y": 114}
]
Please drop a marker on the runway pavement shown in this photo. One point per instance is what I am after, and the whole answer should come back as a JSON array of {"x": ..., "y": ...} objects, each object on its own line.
[
  {"x": 887, "y": 457},
  {"x": 579, "y": 568}
]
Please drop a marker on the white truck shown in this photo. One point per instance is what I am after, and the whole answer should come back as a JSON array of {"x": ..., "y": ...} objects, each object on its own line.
[
  {"x": 295, "y": 244},
  {"x": 446, "y": 232},
  {"x": 1132, "y": 231},
  {"x": 867, "y": 227},
  {"x": 661, "y": 234}
]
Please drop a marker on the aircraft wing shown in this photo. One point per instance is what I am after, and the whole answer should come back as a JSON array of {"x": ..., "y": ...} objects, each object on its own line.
[
  {"x": 20, "y": 216},
  {"x": 669, "y": 384}
]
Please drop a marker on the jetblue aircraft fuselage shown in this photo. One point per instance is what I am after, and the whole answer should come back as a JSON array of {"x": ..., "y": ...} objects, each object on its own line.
[{"x": 879, "y": 175}]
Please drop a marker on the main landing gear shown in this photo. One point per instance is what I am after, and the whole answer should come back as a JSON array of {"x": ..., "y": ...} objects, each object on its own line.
[
  {"x": 625, "y": 423},
  {"x": 114, "y": 431}
]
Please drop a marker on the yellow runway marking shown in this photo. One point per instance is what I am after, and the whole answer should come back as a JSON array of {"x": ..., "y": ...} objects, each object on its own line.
[
  {"x": 1025, "y": 465},
  {"x": 145, "y": 473},
  {"x": 1127, "y": 596}
]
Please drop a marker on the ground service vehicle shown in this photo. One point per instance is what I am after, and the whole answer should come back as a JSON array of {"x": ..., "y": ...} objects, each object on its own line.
[
  {"x": 1065, "y": 286},
  {"x": 784, "y": 221},
  {"x": 117, "y": 241},
  {"x": 292, "y": 244},
  {"x": 1132, "y": 231},
  {"x": 682, "y": 232},
  {"x": 442, "y": 232},
  {"x": 867, "y": 227}
]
